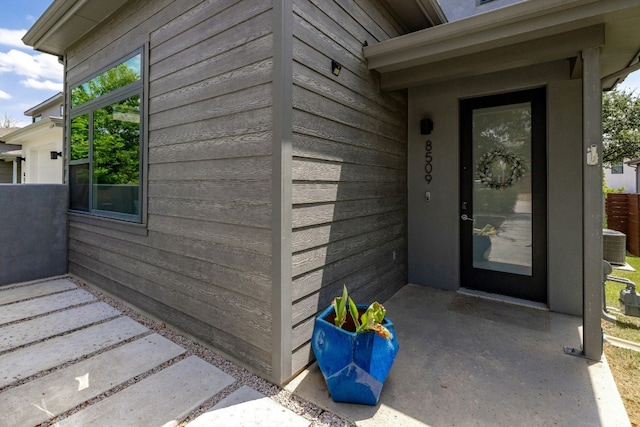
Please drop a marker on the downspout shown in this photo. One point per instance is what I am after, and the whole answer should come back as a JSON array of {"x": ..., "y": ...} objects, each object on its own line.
[{"x": 281, "y": 276}]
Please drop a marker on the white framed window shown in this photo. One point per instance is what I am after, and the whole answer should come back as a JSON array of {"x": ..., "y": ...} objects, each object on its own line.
[{"x": 617, "y": 168}]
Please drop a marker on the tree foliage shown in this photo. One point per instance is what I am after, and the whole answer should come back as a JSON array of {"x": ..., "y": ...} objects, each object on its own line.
[
  {"x": 620, "y": 126},
  {"x": 8, "y": 122},
  {"x": 112, "y": 79},
  {"x": 115, "y": 128},
  {"x": 116, "y": 143}
]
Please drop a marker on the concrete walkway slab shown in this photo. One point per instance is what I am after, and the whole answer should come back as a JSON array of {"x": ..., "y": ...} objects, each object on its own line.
[
  {"x": 43, "y": 305},
  {"x": 19, "y": 334},
  {"x": 247, "y": 407},
  {"x": 163, "y": 399},
  {"x": 35, "y": 290},
  {"x": 30, "y": 360},
  {"x": 47, "y": 397}
]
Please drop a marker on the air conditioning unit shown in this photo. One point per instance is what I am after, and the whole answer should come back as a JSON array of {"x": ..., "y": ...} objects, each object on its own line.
[{"x": 614, "y": 246}]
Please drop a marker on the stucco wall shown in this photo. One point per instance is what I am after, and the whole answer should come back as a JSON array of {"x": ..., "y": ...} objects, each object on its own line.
[
  {"x": 433, "y": 227},
  {"x": 626, "y": 179},
  {"x": 39, "y": 166},
  {"x": 33, "y": 232}
]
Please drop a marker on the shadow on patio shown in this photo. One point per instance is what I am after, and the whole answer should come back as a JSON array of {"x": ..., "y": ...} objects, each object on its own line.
[{"x": 470, "y": 361}]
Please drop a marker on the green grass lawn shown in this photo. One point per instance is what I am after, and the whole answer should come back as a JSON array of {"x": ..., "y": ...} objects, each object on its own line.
[
  {"x": 624, "y": 364},
  {"x": 627, "y": 327}
]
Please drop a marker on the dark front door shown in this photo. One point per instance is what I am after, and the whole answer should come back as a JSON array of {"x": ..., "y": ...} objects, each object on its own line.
[{"x": 503, "y": 210}]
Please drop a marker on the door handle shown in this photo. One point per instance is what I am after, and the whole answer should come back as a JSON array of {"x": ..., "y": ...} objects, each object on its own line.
[{"x": 465, "y": 217}]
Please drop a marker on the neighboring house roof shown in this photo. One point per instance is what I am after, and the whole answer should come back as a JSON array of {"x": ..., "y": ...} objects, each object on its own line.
[
  {"x": 5, "y": 131},
  {"x": 13, "y": 141},
  {"x": 55, "y": 99},
  {"x": 515, "y": 36},
  {"x": 22, "y": 134}
]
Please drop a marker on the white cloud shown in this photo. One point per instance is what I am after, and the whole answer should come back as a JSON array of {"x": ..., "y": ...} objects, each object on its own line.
[
  {"x": 4, "y": 95},
  {"x": 12, "y": 37},
  {"x": 35, "y": 66},
  {"x": 46, "y": 84}
]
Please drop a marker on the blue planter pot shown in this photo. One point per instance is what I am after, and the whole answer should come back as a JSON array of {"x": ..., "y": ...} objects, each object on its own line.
[
  {"x": 354, "y": 366},
  {"x": 481, "y": 248}
]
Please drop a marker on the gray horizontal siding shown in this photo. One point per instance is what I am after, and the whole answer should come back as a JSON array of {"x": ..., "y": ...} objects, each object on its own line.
[
  {"x": 241, "y": 259},
  {"x": 204, "y": 264},
  {"x": 118, "y": 283},
  {"x": 348, "y": 168},
  {"x": 236, "y": 125}
]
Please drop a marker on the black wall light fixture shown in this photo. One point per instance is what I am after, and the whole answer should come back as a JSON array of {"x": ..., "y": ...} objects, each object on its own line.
[
  {"x": 426, "y": 126},
  {"x": 335, "y": 67},
  {"x": 55, "y": 154},
  {"x": 21, "y": 159}
]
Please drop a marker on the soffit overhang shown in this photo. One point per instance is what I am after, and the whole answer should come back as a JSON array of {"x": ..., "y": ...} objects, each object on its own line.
[
  {"x": 5, "y": 148},
  {"x": 67, "y": 21},
  {"x": 523, "y": 34},
  {"x": 415, "y": 15}
]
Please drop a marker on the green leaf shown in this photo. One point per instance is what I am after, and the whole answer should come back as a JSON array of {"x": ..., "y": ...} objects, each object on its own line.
[
  {"x": 340, "y": 308},
  {"x": 354, "y": 313}
]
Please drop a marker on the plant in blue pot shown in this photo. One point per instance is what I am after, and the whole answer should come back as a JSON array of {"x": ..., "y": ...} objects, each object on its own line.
[{"x": 355, "y": 346}]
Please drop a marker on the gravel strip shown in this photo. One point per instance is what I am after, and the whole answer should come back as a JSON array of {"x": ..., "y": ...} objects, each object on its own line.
[{"x": 317, "y": 416}]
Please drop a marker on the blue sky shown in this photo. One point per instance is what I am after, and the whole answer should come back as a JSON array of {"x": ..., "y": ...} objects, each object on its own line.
[
  {"x": 632, "y": 82},
  {"x": 27, "y": 77}
]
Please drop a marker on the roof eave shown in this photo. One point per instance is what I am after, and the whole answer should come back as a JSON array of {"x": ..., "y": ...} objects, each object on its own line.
[
  {"x": 37, "y": 127},
  {"x": 54, "y": 99},
  {"x": 516, "y": 24},
  {"x": 67, "y": 21}
]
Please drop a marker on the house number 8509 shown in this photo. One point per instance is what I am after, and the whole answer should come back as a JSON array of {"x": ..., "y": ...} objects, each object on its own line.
[{"x": 428, "y": 167}]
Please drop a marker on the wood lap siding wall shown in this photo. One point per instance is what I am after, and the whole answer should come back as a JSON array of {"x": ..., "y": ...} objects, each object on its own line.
[
  {"x": 205, "y": 263},
  {"x": 349, "y": 165}
]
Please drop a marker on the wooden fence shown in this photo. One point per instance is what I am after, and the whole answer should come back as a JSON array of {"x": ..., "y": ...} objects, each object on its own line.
[{"x": 623, "y": 215}]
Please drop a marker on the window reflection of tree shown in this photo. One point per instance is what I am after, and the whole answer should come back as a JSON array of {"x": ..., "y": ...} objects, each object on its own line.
[{"x": 108, "y": 138}]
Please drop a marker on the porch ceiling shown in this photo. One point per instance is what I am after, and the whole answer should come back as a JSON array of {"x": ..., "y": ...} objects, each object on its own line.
[
  {"x": 5, "y": 148},
  {"x": 519, "y": 35},
  {"x": 416, "y": 15}
]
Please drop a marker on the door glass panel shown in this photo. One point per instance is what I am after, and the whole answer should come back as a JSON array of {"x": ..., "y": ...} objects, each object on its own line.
[{"x": 502, "y": 202}]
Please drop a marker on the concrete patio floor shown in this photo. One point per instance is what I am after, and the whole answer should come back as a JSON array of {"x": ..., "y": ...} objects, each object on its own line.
[
  {"x": 463, "y": 361},
  {"x": 469, "y": 361}
]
